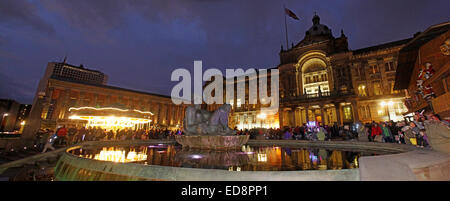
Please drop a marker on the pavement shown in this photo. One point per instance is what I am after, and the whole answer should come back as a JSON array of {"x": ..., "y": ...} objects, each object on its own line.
[{"x": 34, "y": 169}]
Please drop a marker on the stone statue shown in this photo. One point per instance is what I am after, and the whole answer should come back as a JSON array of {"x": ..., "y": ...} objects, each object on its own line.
[
  {"x": 218, "y": 123},
  {"x": 438, "y": 135},
  {"x": 202, "y": 122},
  {"x": 195, "y": 120}
]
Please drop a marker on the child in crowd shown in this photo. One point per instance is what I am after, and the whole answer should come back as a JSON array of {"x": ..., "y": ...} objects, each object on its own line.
[{"x": 423, "y": 142}]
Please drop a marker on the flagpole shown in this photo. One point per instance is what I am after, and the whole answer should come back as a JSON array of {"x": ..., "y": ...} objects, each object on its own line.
[{"x": 285, "y": 25}]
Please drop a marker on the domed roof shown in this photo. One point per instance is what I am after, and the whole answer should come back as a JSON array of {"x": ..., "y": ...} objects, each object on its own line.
[{"x": 318, "y": 29}]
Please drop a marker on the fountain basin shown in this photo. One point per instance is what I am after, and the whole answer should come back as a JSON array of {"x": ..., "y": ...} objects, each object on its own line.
[
  {"x": 212, "y": 142},
  {"x": 281, "y": 160}
]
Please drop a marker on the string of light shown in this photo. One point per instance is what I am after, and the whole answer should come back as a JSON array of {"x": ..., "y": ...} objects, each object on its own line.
[{"x": 109, "y": 108}]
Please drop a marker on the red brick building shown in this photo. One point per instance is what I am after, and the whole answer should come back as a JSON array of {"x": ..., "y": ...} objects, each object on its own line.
[{"x": 424, "y": 69}]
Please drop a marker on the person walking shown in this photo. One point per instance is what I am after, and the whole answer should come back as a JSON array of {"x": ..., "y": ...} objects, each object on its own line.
[
  {"x": 363, "y": 134},
  {"x": 62, "y": 135},
  {"x": 387, "y": 135},
  {"x": 376, "y": 131},
  {"x": 49, "y": 144},
  {"x": 320, "y": 134},
  {"x": 287, "y": 134}
]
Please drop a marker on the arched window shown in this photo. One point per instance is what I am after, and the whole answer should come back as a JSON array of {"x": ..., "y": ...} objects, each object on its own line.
[
  {"x": 362, "y": 90},
  {"x": 377, "y": 88},
  {"x": 313, "y": 69}
]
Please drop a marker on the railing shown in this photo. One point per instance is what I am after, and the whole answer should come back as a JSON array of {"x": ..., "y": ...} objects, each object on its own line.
[{"x": 316, "y": 96}]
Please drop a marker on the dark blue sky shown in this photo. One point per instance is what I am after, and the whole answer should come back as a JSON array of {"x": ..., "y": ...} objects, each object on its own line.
[{"x": 138, "y": 43}]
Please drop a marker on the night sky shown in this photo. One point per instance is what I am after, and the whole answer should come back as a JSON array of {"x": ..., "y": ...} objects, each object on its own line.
[{"x": 139, "y": 43}]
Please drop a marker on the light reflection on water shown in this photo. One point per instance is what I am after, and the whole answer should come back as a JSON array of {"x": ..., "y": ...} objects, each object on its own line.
[{"x": 249, "y": 158}]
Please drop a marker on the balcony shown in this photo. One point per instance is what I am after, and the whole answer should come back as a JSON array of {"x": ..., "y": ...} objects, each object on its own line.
[{"x": 317, "y": 96}]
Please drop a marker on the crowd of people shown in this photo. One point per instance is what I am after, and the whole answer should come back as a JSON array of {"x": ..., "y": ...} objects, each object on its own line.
[
  {"x": 45, "y": 139},
  {"x": 402, "y": 132}
]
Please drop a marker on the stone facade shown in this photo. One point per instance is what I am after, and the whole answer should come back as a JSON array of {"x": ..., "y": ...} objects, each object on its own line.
[
  {"x": 64, "y": 94},
  {"x": 323, "y": 81},
  {"x": 56, "y": 95}
]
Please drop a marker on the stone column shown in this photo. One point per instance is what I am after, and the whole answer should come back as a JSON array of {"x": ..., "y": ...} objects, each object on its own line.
[
  {"x": 161, "y": 117},
  {"x": 169, "y": 114},
  {"x": 66, "y": 102},
  {"x": 59, "y": 106},
  {"x": 338, "y": 113},
  {"x": 154, "y": 110},
  {"x": 107, "y": 101},
  {"x": 94, "y": 101},
  {"x": 179, "y": 115},
  {"x": 322, "y": 115},
  {"x": 182, "y": 115},
  {"x": 300, "y": 116},
  {"x": 293, "y": 117},
  {"x": 280, "y": 117},
  {"x": 355, "y": 111},
  {"x": 79, "y": 98},
  {"x": 307, "y": 113}
]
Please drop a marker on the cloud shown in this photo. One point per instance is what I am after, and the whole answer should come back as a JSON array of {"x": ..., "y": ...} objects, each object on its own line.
[
  {"x": 13, "y": 12},
  {"x": 16, "y": 89},
  {"x": 130, "y": 40}
]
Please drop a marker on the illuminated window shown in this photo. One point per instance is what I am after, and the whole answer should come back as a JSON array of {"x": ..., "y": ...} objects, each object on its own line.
[
  {"x": 391, "y": 85},
  {"x": 360, "y": 71},
  {"x": 362, "y": 90},
  {"x": 363, "y": 111},
  {"x": 377, "y": 88},
  {"x": 238, "y": 102},
  {"x": 374, "y": 69},
  {"x": 368, "y": 111},
  {"x": 347, "y": 112},
  {"x": 400, "y": 108}
]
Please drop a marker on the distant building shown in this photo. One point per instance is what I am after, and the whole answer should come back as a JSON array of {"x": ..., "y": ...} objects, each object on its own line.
[
  {"x": 77, "y": 96},
  {"x": 22, "y": 115},
  {"x": 65, "y": 94},
  {"x": 323, "y": 81},
  {"x": 8, "y": 114},
  {"x": 13, "y": 115},
  {"x": 424, "y": 71}
]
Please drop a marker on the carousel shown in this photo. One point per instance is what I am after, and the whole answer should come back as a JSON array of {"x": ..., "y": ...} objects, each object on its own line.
[{"x": 110, "y": 118}]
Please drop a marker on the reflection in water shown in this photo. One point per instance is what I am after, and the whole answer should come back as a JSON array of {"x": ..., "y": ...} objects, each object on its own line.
[
  {"x": 118, "y": 155},
  {"x": 249, "y": 158}
]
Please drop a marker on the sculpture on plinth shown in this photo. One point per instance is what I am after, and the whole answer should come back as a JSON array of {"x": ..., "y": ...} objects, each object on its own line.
[
  {"x": 202, "y": 122},
  {"x": 209, "y": 130}
]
